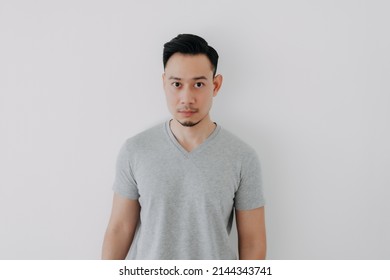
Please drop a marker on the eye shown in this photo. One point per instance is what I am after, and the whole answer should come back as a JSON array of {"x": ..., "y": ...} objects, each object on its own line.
[
  {"x": 199, "y": 84},
  {"x": 176, "y": 84}
]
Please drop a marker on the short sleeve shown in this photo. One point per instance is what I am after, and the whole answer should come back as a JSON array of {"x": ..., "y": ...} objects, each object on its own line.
[
  {"x": 125, "y": 183},
  {"x": 249, "y": 194}
]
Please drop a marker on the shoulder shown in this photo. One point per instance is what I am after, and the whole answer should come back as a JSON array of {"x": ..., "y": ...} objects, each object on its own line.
[
  {"x": 233, "y": 143},
  {"x": 146, "y": 138}
]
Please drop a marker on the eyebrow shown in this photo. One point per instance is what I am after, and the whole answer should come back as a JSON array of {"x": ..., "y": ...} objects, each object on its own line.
[{"x": 194, "y": 78}]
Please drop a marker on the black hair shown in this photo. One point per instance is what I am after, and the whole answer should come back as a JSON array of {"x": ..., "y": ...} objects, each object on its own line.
[{"x": 190, "y": 44}]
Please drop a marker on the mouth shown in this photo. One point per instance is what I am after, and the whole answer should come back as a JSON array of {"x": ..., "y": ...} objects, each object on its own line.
[{"x": 187, "y": 113}]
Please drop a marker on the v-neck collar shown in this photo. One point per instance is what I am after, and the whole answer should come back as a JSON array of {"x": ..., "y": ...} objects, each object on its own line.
[{"x": 200, "y": 147}]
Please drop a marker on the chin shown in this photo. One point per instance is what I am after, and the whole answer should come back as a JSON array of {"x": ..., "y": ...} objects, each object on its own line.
[{"x": 187, "y": 123}]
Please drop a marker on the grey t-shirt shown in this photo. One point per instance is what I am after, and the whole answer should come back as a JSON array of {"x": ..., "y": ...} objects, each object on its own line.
[{"x": 187, "y": 198}]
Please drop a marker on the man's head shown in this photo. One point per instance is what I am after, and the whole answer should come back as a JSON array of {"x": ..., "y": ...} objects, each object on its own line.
[{"x": 189, "y": 79}]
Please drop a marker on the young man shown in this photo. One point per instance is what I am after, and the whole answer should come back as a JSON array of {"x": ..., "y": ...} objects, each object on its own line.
[{"x": 178, "y": 184}]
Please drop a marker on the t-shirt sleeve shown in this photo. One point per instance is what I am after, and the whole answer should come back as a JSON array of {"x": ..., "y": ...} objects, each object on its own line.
[
  {"x": 249, "y": 194},
  {"x": 125, "y": 183}
]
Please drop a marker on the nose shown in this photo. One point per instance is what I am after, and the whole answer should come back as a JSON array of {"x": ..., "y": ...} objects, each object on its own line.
[{"x": 187, "y": 96}]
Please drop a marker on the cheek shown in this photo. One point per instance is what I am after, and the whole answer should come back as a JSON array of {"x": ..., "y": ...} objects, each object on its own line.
[
  {"x": 171, "y": 97},
  {"x": 206, "y": 98}
]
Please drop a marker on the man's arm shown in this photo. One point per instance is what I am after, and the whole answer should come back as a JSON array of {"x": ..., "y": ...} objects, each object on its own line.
[
  {"x": 121, "y": 228},
  {"x": 252, "y": 243}
]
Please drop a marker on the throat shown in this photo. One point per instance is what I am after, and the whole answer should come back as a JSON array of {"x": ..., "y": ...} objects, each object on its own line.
[
  {"x": 189, "y": 147},
  {"x": 189, "y": 138}
]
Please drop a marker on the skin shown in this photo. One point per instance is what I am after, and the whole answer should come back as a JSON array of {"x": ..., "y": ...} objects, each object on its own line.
[
  {"x": 121, "y": 228},
  {"x": 189, "y": 87},
  {"x": 252, "y": 243}
]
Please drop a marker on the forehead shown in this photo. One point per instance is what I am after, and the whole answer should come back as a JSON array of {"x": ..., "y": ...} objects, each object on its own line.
[{"x": 188, "y": 65}]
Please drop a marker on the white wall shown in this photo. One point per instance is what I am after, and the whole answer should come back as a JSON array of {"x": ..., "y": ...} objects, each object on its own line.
[{"x": 306, "y": 83}]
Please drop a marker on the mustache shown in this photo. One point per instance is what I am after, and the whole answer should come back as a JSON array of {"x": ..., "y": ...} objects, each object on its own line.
[{"x": 187, "y": 109}]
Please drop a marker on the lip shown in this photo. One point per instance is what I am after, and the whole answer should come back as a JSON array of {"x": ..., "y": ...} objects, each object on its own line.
[{"x": 187, "y": 113}]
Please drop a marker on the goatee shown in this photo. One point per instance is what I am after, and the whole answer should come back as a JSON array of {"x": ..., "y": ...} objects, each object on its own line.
[{"x": 188, "y": 123}]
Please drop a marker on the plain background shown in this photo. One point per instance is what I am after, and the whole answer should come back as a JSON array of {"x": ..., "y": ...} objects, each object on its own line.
[{"x": 306, "y": 83}]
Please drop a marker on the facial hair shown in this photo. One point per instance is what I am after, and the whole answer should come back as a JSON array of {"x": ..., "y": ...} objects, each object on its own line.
[{"x": 188, "y": 123}]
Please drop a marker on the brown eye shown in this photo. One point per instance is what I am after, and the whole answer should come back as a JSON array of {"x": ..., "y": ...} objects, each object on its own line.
[
  {"x": 176, "y": 84},
  {"x": 199, "y": 85}
]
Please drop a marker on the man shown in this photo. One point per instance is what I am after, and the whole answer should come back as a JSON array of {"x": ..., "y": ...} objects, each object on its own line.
[{"x": 178, "y": 184}]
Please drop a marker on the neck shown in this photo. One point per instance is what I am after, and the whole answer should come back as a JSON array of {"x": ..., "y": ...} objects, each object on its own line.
[{"x": 191, "y": 137}]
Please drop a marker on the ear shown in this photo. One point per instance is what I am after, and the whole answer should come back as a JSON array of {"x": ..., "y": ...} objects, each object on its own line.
[
  {"x": 217, "y": 82},
  {"x": 163, "y": 78}
]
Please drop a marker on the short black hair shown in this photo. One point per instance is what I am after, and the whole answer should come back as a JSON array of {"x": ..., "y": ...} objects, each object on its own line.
[{"x": 190, "y": 44}]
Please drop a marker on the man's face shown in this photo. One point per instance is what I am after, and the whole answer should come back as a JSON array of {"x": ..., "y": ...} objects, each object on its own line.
[{"x": 189, "y": 87}]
